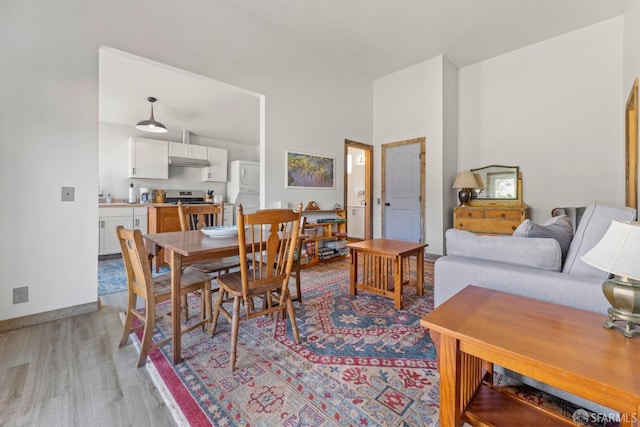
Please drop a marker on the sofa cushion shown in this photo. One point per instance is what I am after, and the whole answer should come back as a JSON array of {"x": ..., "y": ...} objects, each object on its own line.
[
  {"x": 558, "y": 227},
  {"x": 594, "y": 223},
  {"x": 540, "y": 253}
]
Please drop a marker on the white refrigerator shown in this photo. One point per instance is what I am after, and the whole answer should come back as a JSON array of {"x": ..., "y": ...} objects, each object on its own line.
[{"x": 243, "y": 186}]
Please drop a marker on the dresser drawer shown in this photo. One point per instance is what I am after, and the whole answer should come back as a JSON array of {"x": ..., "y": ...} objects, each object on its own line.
[
  {"x": 515, "y": 214},
  {"x": 465, "y": 213},
  {"x": 488, "y": 220},
  {"x": 487, "y": 226}
]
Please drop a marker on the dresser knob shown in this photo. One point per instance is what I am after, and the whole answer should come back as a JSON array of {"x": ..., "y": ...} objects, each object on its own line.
[
  {"x": 469, "y": 214},
  {"x": 502, "y": 216},
  {"x": 513, "y": 227},
  {"x": 461, "y": 225}
]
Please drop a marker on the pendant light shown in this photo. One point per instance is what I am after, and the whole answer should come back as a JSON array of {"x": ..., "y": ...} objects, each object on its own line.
[{"x": 151, "y": 125}]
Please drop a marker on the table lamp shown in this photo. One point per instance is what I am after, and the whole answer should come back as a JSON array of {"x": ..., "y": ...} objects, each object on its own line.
[
  {"x": 465, "y": 181},
  {"x": 618, "y": 252}
]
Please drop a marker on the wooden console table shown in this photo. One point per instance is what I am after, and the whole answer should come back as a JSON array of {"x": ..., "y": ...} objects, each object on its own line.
[
  {"x": 564, "y": 347},
  {"x": 385, "y": 267}
]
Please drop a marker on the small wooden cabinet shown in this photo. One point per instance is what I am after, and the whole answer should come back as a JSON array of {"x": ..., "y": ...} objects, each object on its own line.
[
  {"x": 330, "y": 241},
  {"x": 489, "y": 219},
  {"x": 162, "y": 219}
]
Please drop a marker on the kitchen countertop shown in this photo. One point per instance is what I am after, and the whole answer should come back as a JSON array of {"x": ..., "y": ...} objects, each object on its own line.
[
  {"x": 131, "y": 205},
  {"x": 135, "y": 205}
]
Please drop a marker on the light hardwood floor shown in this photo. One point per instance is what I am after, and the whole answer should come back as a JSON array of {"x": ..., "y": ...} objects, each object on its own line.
[{"x": 71, "y": 372}]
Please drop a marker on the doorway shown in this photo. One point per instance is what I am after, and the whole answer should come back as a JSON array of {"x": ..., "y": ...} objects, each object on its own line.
[
  {"x": 403, "y": 190},
  {"x": 358, "y": 195}
]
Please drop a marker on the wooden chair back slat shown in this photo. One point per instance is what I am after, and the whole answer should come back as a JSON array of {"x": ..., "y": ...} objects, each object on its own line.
[
  {"x": 195, "y": 217},
  {"x": 272, "y": 234}
]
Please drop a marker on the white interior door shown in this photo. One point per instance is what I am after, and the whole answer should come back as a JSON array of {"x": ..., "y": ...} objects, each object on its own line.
[{"x": 403, "y": 191}]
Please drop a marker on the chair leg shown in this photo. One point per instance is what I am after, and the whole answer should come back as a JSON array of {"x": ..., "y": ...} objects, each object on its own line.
[
  {"x": 292, "y": 318},
  {"x": 216, "y": 312},
  {"x": 298, "y": 291},
  {"x": 149, "y": 323},
  {"x": 206, "y": 294},
  {"x": 235, "y": 322},
  {"x": 184, "y": 305},
  {"x": 126, "y": 328}
]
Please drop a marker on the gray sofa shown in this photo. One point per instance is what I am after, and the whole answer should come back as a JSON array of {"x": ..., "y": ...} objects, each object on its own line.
[{"x": 532, "y": 267}]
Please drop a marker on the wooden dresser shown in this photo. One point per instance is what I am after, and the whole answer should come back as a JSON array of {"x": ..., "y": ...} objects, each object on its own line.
[
  {"x": 489, "y": 219},
  {"x": 493, "y": 215}
]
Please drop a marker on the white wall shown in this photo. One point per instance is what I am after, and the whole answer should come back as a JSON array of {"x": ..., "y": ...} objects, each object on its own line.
[
  {"x": 555, "y": 109},
  {"x": 409, "y": 104},
  {"x": 49, "y": 121},
  {"x": 113, "y": 158},
  {"x": 631, "y": 49}
]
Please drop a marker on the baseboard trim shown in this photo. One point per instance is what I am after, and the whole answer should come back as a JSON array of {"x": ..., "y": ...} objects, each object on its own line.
[{"x": 48, "y": 316}]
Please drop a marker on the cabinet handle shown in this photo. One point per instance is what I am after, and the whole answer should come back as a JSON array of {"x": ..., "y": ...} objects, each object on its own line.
[
  {"x": 461, "y": 225},
  {"x": 469, "y": 214},
  {"x": 133, "y": 171},
  {"x": 101, "y": 224},
  {"x": 513, "y": 227},
  {"x": 137, "y": 222},
  {"x": 503, "y": 216}
]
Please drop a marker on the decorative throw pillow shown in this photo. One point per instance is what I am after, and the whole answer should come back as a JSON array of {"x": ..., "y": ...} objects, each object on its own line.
[{"x": 558, "y": 227}]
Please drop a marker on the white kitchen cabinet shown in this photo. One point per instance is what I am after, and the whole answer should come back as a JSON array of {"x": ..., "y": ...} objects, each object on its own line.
[
  {"x": 140, "y": 219},
  {"x": 148, "y": 158},
  {"x": 189, "y": 151},
  {"x": 111, "y": 217},
  {"x": 355, "y": 227},
  {"x": 217, "y": 171}
]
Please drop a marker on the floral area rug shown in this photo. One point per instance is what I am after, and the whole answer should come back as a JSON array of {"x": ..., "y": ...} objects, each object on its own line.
[
  {"x": 112, "y": 277},
  {"x": 360, "y": 362}
]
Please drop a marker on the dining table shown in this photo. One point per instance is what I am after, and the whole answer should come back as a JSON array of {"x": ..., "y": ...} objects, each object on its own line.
[{"x": 182, "y": 248}]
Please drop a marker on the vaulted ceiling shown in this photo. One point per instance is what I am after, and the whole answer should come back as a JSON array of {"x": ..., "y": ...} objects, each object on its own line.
[{"x": 370, "y": 37}]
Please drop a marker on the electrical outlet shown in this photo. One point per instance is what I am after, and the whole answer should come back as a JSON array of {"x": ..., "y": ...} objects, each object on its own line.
[
  {"x": 68, "y": 194},
  {"x": 20, "y": 295}
]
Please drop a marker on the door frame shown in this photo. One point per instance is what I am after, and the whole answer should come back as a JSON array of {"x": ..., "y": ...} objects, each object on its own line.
[
  {"x": 631, "y": 147},
  {"x": 384, "y": 148},
  {"x": 368, "y": 183}
]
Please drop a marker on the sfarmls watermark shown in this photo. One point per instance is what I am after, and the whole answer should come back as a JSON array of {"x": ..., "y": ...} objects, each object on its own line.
[{"x": 583, "y": 417}]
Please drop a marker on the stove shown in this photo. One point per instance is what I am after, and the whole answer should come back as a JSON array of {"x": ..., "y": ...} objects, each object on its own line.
[{"x": 187, "y": 197}]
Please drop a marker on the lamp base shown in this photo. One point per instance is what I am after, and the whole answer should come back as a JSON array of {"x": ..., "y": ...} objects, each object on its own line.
[
  {"x": 624, "y": 296},
  {"x": 464, "y": 195}
]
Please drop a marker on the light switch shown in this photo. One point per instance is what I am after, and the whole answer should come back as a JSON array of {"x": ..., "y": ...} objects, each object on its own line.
[{"x": 68, "y": 194}]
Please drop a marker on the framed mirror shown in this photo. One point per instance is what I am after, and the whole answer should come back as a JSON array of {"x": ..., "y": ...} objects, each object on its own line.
[{"x": 496, "y": 182}]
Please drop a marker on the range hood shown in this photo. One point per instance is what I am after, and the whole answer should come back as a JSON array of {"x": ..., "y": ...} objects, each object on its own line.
[{"x": 188, "y": 162}]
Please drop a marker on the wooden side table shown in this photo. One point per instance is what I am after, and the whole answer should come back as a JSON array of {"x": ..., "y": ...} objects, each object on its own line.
[
  {"x": 386, "y": 267},
  {"x": 561, "y": 346}
]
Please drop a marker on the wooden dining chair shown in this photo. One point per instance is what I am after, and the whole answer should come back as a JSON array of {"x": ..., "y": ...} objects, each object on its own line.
[
  {"x": 267, "y": 241},
  {"x": 154, "y": 290},
  {"x": 295, "y": 270},
  {"x": 195, "y": 217}
]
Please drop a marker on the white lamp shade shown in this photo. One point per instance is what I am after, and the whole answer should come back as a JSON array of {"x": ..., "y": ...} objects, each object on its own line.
[
  {"x": 465, "y": 180},
  {"x": 618, "y": 251}
]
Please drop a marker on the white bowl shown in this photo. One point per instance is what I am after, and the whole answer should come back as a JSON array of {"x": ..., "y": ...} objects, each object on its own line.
[{"x": 220, "y": 231}]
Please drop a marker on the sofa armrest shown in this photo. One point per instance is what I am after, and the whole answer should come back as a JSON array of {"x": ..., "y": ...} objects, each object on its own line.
[{"x": 539, "y": 253}]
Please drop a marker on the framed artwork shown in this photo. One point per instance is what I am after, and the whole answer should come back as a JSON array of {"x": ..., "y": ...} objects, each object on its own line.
[{"x": 309, "y": 170}]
